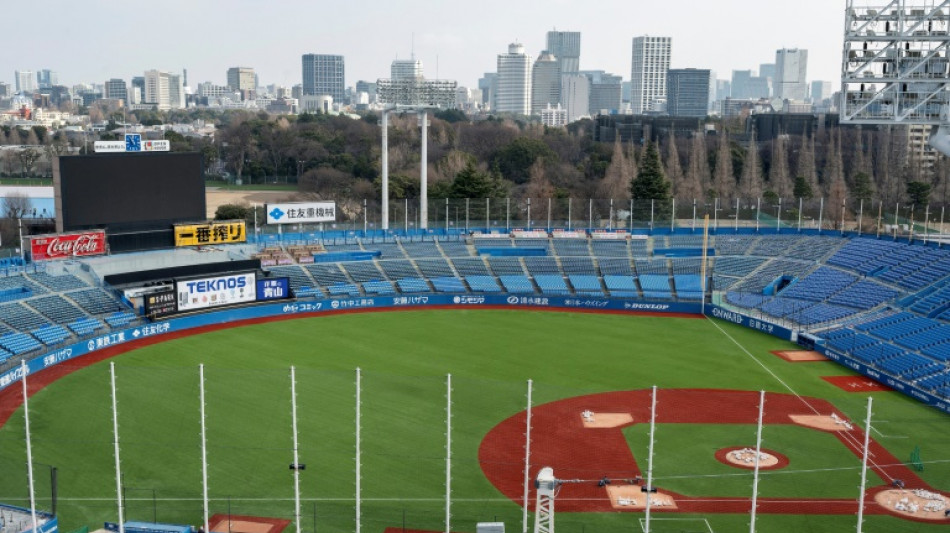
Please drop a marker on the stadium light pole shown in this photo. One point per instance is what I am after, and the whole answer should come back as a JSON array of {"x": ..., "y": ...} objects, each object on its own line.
[
  {"x": 359, "y": 463},
  {"x": 204, "y": 448},
  {"x": 29, "y": 445},
  {"x": 424, "y": 172},
  {"x": 527, "y": 460},
  {"x": 758, "y": 453},
  {"x": 448, "y": 453},
  {"x": 296, "y": 465},
  {"x": 384, "y": 156},
  {"x": 649, "y": 487}
]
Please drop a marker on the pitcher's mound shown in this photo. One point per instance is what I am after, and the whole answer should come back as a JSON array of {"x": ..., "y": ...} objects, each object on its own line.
[
  {"x": 222, "y": 523},
  {"x": 744, "y": 457}
]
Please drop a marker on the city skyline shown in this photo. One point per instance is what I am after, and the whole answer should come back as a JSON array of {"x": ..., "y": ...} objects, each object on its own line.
[{"x": 201, "y": 38}]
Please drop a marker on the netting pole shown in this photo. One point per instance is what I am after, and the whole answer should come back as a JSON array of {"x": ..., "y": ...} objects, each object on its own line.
[
  {"x": 864, "y": 466},
  {"x": 527, "y": 460},
  {"x": 800, "y": 215},
  {"x": 384, "y": 164},
  {"x": 448, "y": 452},
  {"x": 590, "y": 214},
  {"x": 359, "y": 464},
  {"x": 758, "y": 452},
  {"x": 821, "y": 213},
  {"x": 737, "y": 215},
  {"x": 507, "y": 214},
  {"x": 29, "y": 446},
  {"x": 650, "y": 459},
  {"x": 549, "y": 214},
  {"x": 487, "y": 215},
  {"x": 758, "y": 212},
  {"x": 293, "y": 412},
  {"x": 115, "y": 441},
  {"x": 673, "y": 217},
  {"x": 204, "y": 447},
  {"x": 897, "y": 210},
  {"x": 942, "y": 210},
  {"x": 926, "y": 222},
  {"x": 569, "y": 214},
  {"x": 860, "y": 216}
]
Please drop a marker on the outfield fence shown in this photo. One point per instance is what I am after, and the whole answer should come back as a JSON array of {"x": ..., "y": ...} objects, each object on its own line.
[{"x": 440, "y": 453}]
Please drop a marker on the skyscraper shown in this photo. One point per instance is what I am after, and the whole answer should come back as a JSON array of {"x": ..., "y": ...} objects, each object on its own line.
[
  {"x": 242, "y": 79},
  {"x": 575, "y": 96},
  {"x": 651, "y": 61},
  {"x": 605, "y": 91},
  {"x": 545, "y": 83},
  {"x": 25, "y": 81},
  {"x": 566, "y": 47},
  {"x": 406, "y": 69},
  {"x": 324, "y": 75},
  {"x": 47, "y": 78},
  {"x": 820, "y": 91},
  {"x": 513, "y": 94},
  {"x": 488, "y": 84},
  {"x": 791, "y": 74},
  {"x": 687, "y": 92}
]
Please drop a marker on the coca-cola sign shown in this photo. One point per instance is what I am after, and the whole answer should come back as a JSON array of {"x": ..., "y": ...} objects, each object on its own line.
[{"x": 46, "y": 247}]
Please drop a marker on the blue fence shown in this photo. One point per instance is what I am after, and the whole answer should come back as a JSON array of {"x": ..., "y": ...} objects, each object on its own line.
[{"x": 317, "y": 307}]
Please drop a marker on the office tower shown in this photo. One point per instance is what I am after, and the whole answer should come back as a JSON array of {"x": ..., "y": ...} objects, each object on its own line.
[
  {"x": 406, "y": 69},
  {"x": 47, "y": 78},
  {"x": 575, "y": 96},
  {"x": 545, "y": 83},
  {"x": 324, "y": 75},
  {"x": 243, "y": 80},
  {"x": 164, "y": 90},
  {"x": 5, "y": 90},
  {"x": 605, "y": 91},
  {"x": 687, "y": 92},
  {"x": 25, "y": 81},
  {"x": 513, "y": 94},
  {"x": 767, "y": 70},
  {"x": 651, "y": 61},
  {"x": 488, "y": 84},
  {"x": 566, "y": 47},
  {"x": 820, "y": 91},
  {"x": 115, "y": 89},
  {"x": 791, "y": 67},
  {"x": 745, "y": 86},
  {"x": 368, "y": 87}
]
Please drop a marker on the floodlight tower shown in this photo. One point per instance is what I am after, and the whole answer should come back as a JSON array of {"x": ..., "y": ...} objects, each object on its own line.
[
  {"x": 411, "y": 95},
  {"x": 895, "y": 66},
  {"x": 546, "y": 485}
]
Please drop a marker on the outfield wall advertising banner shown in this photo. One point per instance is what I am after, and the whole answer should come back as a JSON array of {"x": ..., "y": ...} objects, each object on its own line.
[
  {"x": 203, "y": 293},
  {"x": 300, "y": 212},
  {"x": 159, "y": 304},
  {"x": 318, "y": 307},
  {"x": 273, "y": 289},
  {"x": 67, "y": 245},
  {"x": 750, "y": 322},
  {"x": 210, "y": 233}
]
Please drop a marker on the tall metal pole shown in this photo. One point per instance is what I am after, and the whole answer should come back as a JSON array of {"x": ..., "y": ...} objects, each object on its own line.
[
  {"x": 424, "y": 173},
  {"x": 651, "y": 216},
  {"x": 406, "y": 215},
  {"x": 204, "y": 448},
  {"x": 527, "y": 461},
  {"x": 880, "y": 217},
  {"x": 610, "y": 220},
  {"x": 22, "y": 248},
  {"x": 466, "y": 214},
  {"x": 942, "y": 209},
  {"x": 897, "y": 210},
  {"x": 529, "y": 214},
  {"x": 365, "y": 219},
  {"x": 926, "y": 222},
  {"x": 705, "y": 259},
  {"x": 590, "y": 214},
  {"x": 758, "y": 211},
  {"x": 115, "y": 441},
  {"x": 384, "y": 155},
  {"x": 673, "y": 217},
  {"x": 487, "y": 215},
  {"x": 821, "y": 214},
  {"x": 646, "y": 529},
  {"x": 778, "y": 222},
  {"x": 630, "y": 223},
  {"x": 508, "y": 214},
  {"x": 549, "y": 214},
  {"x": 569, "y": 214},
  {"x": 693, "y": 226},
  {"x": 800, "y": 205},
  {"x": 864, "y": 465},
  {"x": 293, "y": 409},
  {"x": 844, "y": 207},
  {"x": 359, "y": 463},
  {"x": 860, "y": 216},
  {"x": 737, "y": 215},
  {"x": 448, "y": 453},
  {"x": 758, "y": 452},
  {"x": 29, "y": 446}
]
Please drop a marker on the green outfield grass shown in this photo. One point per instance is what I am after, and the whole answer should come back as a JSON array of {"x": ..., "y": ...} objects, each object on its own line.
[{"x": 404, "y": 359}]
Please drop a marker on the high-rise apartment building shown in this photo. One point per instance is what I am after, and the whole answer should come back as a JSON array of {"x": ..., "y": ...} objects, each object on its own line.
[
  {"x": 651, "y": 61},
  {"x": 791, "y": 74},
  {"x": 324, "y": 75},
  {"x": 115, "y": 89},
  {"x": 164, "y": 90},
  {"x": 25, "y": 81},
  {"x": 406, "y": 69},
  {"x": 687, "y": 92},
  {"x": 545, "y": 83},
  {"x": 566, "y": 47},
  {"x": 243, "y": 80},
  {"x": 513, "y": 94}
]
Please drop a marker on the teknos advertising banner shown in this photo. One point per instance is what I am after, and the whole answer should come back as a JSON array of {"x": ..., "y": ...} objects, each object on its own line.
[
  {"x": 67, "y": 245},
  {"x": 214, "y": 292},
  {"x": 301, "y": 212}
]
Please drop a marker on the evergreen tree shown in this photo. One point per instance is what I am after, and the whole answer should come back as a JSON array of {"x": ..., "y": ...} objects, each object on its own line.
[
  {"x": 803, "y": 190},
  {"x": 650, "y": 183},
  {"x": 472, "y": 183}
]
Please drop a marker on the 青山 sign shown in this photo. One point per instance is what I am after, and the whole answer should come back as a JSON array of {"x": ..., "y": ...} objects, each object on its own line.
[
  {"x": 64, "y": 246},
  {"x": 210, "y": 233},
  {"x": 301, "y": 212}
]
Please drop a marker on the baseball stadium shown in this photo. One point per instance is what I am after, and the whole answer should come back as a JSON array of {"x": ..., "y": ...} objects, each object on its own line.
[{"x": 672, "y": 371}]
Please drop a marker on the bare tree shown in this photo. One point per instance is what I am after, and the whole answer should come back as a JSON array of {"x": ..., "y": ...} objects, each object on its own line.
[
  {"x": 806, "y": 167},
  {"x": 780, "y": 181},
  {"x": 751, "y": 180},
  {"x": 616, "y": 182},
  {"x": 697, "y": 172},
  {"x": 28, "y": 158},
  {"x": 724, "y": 181},
  {"x": 674, "y": 169},
  {"x": 15, "y": 205},
  {"x": 538, "y": 186}
]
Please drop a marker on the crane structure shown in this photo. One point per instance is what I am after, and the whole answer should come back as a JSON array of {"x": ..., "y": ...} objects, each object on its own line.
[
  {"x": 896, "y": 66},
  {"x": 546, "y": 485}
]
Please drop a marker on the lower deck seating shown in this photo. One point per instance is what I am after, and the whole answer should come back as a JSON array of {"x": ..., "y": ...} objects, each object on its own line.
[
  {"x": 622, "y": 286},
  {"x": 586, "y": 285},
  {"x": 655, "y": 286},
  {"x": 517, "y": 284},
  {"x": 552, "y": 284},
  {"x": 485, "y": 284}
]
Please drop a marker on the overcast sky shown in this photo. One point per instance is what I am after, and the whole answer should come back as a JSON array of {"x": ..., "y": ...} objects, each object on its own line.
[{"x": 94, "y": 40}]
